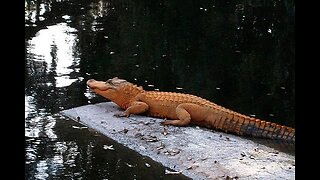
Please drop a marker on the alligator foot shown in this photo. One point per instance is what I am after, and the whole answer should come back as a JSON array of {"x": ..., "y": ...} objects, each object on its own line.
[
  {"x": 120, "y": 114},
  {"x": 164, "y": 122}
]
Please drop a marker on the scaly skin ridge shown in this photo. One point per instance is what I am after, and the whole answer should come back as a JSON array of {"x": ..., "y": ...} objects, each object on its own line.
[{"x": 164, "y": 105}]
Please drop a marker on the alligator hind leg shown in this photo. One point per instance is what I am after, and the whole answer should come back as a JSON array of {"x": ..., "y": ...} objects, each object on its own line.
[{"x": 183, "y": 113}]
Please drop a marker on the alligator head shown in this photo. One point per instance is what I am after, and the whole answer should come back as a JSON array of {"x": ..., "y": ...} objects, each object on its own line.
[{"x": 117, "y": 90}]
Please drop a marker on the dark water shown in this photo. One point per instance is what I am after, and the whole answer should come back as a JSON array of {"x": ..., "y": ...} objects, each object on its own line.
[{"x": 238, "y": 54}]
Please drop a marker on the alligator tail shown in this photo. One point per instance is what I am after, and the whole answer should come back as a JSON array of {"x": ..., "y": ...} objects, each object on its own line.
[{"x": 247, "y": 126}]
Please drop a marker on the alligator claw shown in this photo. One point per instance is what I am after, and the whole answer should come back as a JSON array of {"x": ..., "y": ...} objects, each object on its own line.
[
  {"x": 164, "y": 123},
  {"x": 120, "y": 114}
]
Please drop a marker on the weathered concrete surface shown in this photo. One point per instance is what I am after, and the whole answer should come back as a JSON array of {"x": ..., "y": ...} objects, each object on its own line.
[{"x": 197, "y": 152}]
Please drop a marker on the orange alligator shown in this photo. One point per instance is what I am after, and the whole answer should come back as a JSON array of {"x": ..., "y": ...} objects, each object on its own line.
[{"x": 185, "y": 109}]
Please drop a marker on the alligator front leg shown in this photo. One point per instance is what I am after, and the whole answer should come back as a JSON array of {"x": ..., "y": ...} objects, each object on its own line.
[
  {"x": 185, "y": 112},
  {"x": 135, "y": 107}
]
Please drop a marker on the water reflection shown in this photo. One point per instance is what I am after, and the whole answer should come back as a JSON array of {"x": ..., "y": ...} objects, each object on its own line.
[
  {"x": 34, "y": 11},
  {"x": 54, "y": 50}
]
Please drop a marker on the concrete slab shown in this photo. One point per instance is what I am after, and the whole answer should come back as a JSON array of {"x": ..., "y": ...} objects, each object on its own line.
[{"x": 196, "y": 152}]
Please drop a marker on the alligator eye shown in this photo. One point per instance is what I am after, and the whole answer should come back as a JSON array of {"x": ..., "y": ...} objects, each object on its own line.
[{"x": 109, "y": 81}]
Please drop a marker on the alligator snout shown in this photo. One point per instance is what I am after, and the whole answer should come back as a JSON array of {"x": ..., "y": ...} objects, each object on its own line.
[{"x": 90, "y": 82}]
